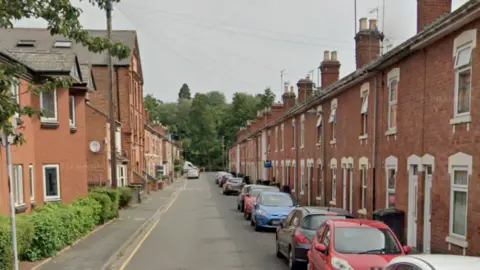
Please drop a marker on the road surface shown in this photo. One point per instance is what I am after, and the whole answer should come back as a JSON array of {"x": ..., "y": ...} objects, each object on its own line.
[{"x": 204, "y": 230}]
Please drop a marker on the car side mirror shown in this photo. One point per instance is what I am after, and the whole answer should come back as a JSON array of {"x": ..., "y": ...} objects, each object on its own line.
[
  {"x": 321, "y": 248},
  {"x": 407, "y": 249}
]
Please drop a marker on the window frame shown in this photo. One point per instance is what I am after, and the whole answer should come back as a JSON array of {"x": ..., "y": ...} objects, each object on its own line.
[
  {"x": 72, "y": 111},
  {"x": 364, "y": 187},
  {"x": 392, "y": 103},
  {"x": 459, "y": 70},
  {"x": 18, "y": 184},
  {"x": 282, "y": 128},
  {"x": 302, "y": 178},
  {"x": 55, "y": 106},
  {"x": 31, "y": 175},
  {"x": 364, "y": 115},
  {"x": 294, "y": 124},
  {"x": 390, "y": 190},
  {"x": 458, "y": 188},
  {"x": 302, "y": 131},
  {"x": 334, "y": 184},
  {"x": 276, "y": 139},
  {"x": 51, "y": 198}
]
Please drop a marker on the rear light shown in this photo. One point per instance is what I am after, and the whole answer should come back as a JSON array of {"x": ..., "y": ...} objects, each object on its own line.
[{"x": 301, "y": 239}]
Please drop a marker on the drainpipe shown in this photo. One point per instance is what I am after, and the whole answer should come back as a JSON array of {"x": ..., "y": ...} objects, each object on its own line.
[
  {"x": 374, "y": 154},
  {"x": 297, "y": 161},
  {"x": 117, "y": 79},
  {"x": 324, "y": 154}
]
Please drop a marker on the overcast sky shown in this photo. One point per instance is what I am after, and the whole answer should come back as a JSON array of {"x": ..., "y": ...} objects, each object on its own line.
[{"x": 241, "y": 46}]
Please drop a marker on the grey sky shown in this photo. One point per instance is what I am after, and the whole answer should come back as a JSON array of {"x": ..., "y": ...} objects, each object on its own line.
[{"x": 241, "y": 46}]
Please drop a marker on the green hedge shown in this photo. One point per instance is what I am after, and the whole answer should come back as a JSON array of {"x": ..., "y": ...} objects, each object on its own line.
[
  {"x": 126, "y": 195},
  {"x": 49, "y": 229}
]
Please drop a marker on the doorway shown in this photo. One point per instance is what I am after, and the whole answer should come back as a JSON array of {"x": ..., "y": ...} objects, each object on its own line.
[
  {"x": 309, "y": 184},
  {"x": 347, "y": 188},
  {"x": 412, "y": 206},
  {"x": 427, "y": 215}
]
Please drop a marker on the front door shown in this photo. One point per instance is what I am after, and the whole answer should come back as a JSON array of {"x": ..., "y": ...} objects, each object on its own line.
[
  {"x": 412, "y": 205},
  {"x": 427, "y": 215}
]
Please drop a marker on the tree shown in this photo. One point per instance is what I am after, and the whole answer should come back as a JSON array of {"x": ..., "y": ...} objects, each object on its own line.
[
  {"x": 63, "y": 19},
  {"x": 267, "y": 99},
  {"x": 184, "y": 92}
]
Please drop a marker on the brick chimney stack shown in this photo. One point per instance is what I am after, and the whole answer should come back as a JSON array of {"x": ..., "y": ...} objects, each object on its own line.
[
  {"x": 305, "y": 88},
  {"x": 429, "y": 11},
  {"x": 288, "y": 98},
  {"x": 367, "y": 42},
  {"x": 330, "y": 68}
]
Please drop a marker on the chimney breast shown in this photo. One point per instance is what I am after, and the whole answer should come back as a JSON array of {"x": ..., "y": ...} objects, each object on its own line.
[
  {"x": 330, "y": 70},
  {"x": 363, "y": 24},
  {"x": 367, "y": 42},
  {"x": 428, "y": 11}
]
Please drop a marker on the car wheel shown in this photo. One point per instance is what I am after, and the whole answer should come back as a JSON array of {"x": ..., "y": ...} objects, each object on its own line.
[
  {"x": 242, "y": 208},
  {"x": 277, "y": 247},
  {"x": 238, "y": 207},
  {"x": 292, "y": 265},
  {"x": 251, "y": 222}
]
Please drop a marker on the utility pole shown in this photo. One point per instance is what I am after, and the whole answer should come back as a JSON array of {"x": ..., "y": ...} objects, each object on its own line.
[
  {"x": 111, "y": 105},
  {"x": 355, "y": 16},
  {"x": 6, "y": 142}
]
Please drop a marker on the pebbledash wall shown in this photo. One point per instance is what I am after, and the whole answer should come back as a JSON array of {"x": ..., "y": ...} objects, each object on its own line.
[{"x": 401, "y": 131}]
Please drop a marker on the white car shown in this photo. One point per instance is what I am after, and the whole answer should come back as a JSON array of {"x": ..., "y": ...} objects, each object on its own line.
[
  {"x": 434, "y": 262},
  {"x": 193, "y": 173}
]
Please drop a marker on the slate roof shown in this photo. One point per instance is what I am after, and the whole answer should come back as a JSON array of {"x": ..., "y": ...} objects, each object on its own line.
[
  {"x": 44, "y": 42},
  {"x": 46, "y": 61}
]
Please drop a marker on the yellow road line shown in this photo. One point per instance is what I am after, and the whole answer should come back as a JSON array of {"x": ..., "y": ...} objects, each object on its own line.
[{"x": 127, "y": 261}]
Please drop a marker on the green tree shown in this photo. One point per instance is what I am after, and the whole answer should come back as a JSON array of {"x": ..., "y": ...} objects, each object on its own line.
[
  {"x": 63, "y": 19},
  {"x": 267, "y": 99},
  {"x": 184, "y": 92}
]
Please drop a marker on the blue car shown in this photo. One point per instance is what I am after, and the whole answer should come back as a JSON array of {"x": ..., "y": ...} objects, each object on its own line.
[{"x": 270, "y": 209}]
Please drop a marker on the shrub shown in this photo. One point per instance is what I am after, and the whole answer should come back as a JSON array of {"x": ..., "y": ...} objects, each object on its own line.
[
  {"x": 25, "y": 234},
  {"x": 105, "y": 203},
  {"x": 126, "y": 195},
  {"x": 93, "y": 204}
]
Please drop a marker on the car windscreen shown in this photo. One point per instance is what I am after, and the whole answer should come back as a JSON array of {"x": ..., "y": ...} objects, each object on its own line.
[
  {"x": 280, "y": 199},
  {"x": 235, "y": 180},
  {"x": 313, "y": 222},
  {"x": 365, "y": 240},
  {"x": 257, "y": 190}
]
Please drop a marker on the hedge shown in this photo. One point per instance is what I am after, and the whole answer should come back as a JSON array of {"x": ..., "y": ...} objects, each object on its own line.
[
  {"x": 49, "y": 229},
  {"x": 126, "y": 195}
]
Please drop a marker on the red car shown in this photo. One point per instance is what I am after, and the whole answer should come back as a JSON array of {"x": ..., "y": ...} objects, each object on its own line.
[
  {"x": 251, "y": 196},
  {"x": 354, "y": 244}
]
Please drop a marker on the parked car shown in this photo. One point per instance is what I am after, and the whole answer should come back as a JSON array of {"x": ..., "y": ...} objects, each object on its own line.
[
  {"x": 354, "y": 244},
  {"x": 233, "y": 185},
  {"x": 270, "y": 209},
  {"x": 187, "y": 166},
  {"x": 241, "y": 197},
  {"x": 224, "y": 179},
  {"x": 251, "y": 197},
  {"x": 218, "y": 175},
  {"x": 193, "y": 173},
  {"x": 294, "y": 235},
  {"x": 434, "y": 262}
]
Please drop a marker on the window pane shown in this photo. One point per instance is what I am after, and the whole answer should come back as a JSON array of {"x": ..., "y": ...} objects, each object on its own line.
[
  {"x": 459, "y": 212},
  {"x": 464, "y": 88},
  {"x": 364, "y": 108},
  {"x": 51, "y": 182},
  {"x": 463, "y": 57},
  {"x": 393, "y": 90},
  {"x": 393, "y": 115},
  {"x": 72, "y": 109},
  {"x": 391, "y": 199},
  {"x": 460, "y": 177},
  {"x": 48, "y": 104},
  {"x": 391, "y": 179},
  {"x": 364, "y": 199}
]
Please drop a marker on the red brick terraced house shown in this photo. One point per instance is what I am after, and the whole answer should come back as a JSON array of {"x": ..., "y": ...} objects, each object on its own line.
[
  {"x": 127, "y": 84},
  {"x": 48, "y": 167},
  {"x": 401, "y": 131}
]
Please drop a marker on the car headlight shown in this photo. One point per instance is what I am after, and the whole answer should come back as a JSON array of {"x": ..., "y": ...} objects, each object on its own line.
[
  {"x": 262, "y": 213},
  {"x": 340, "y": 264}
]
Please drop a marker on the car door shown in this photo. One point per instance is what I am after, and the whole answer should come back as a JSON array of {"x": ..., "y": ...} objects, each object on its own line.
[
  {"x": 320, "y": 260},
  {"x": 293, "y": 228},
  {"x": 256, "y": 204},
  {"x": 282, "y": 232}
]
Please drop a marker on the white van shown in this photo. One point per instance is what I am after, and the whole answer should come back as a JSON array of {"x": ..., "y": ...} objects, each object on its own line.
[{"x": 187, "y": 166}]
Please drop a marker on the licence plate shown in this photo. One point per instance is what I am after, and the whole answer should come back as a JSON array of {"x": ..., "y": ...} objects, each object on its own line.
[{"x": 276, "y": 222}]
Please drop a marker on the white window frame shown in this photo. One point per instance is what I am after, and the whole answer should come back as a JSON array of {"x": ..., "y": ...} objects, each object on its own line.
[
  {"x": 391, "y": 163},
  {"x": 31, "y": 174},
  {"x": 364, "y": 172},
  {"x": 51, "y": 198},
  {"x": 55, "y": 105},
  {"x": 294, "y": 124},
  {"x": 333, "y": 120},
  {"x": 302, "y": 131},
  {"x": 282, "y": 128},
  {"x": 302, "y": 177},
  {"x": 364, "y": 94},
  {"x": 276, "y": 139},
  {"x": 459, "y": 162},
  {"x": 294, "y": 165},
  {"x": 73, "y": 122},
  {"x": 19, "y": 186},
  {"x": 392, "y": 103},
  {"x": 333, "y": 170}
]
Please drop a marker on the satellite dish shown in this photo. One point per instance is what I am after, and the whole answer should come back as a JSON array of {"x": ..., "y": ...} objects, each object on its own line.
[{"x": 94, "y": 146}]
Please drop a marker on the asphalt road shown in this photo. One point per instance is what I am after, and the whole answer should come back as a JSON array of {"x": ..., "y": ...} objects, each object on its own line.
[{"x": 204, "y": 230}]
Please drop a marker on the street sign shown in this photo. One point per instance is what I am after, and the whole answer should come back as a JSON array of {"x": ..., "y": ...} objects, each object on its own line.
[{"x": 267, "y": 164}]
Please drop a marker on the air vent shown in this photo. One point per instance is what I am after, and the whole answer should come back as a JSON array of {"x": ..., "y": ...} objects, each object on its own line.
[
  {"x": 62, "y": 44},
  {"x": 26, "y": 43}
]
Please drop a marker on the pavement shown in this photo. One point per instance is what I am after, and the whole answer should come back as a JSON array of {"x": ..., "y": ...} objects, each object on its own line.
[
  {"x": 202, "y": 229},
  {"x": 107, "y": 244}
]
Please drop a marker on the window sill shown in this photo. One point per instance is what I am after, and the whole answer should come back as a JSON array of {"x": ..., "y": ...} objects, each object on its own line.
[
  {"x": 334, "y": 141},
  {"x": 332, "y": 203},
  {"x": 49, "y": 124},
  {"x": 362, "y": 212},
  {"x": 464, "y": 119},
  {"x": 363, "y": 137},
  {"x": 21, "y": 208},
  {"x": 73, "y": 129},
  {"x": 318, "y": 198},
  {"x": 391, "y": 131},
  {"x": 457, "y": 241},
  {"x": 53, "y": 200},
  {"x": 318, "y": 144}
]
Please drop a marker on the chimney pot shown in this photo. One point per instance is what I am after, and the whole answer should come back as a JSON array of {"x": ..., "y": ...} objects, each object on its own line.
[
  {"x": 334, "y": 56},
  {"x": 292, "y": 89},
  {"x": 326, "y": 56},
  {"x": 373, "y": 23},
  {"x": 363, "y": 24}
]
